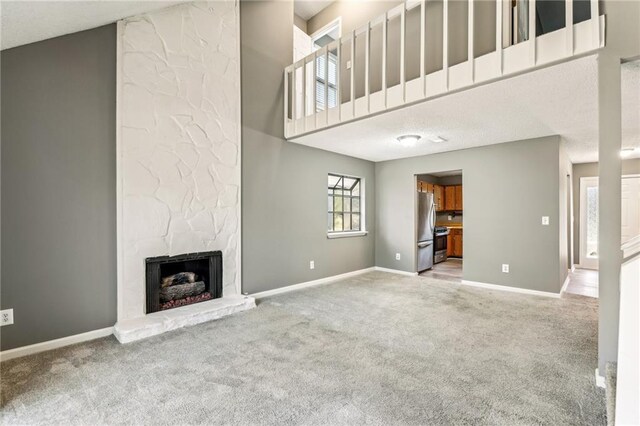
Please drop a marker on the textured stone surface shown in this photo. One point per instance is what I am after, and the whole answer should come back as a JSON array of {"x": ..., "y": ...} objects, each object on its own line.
[
  {"x": 162, "y": 321},
  {"x": 179, "y": 141}
]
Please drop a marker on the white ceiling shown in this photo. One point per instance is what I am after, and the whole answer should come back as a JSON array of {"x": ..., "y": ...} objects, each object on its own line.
[
  {"x": 558, "y": 100},
  {"x": 307, "y": 9},
  {"x": 26, "y": 21}
]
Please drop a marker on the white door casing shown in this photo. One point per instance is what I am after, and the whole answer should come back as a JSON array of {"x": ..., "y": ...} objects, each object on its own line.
[{"x": 630, "y": 220}]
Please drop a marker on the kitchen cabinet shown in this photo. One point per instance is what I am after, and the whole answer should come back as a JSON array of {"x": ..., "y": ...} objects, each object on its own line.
[
  {"x": 438, "y": 195},
  {"x": 450, "y": 244},
  {"x": 454, "y": 243},
  {"x": 450, "y": 198},
  {"x": 458, "y": 197}
]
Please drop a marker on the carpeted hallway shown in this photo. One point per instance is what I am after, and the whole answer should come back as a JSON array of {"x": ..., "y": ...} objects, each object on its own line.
[{"x": 375, "y": 349}]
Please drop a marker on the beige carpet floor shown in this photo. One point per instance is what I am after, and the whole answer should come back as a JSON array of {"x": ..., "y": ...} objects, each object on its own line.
[{"x": 376, "y": 349}]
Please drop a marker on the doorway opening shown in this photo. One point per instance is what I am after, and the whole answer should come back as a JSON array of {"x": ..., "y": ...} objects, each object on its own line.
[{"x": 439, "y": 225}]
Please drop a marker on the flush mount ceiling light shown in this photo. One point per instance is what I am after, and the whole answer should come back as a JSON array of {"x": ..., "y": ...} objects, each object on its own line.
[
  {"x": 408, "y": 140},
  {"x": 628, "y": 152}
]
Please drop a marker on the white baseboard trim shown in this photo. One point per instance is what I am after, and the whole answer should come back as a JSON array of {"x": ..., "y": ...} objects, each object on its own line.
[
  {"x": 510, "y": 289},
  {"x": 565, "y": 285},
  {"x": 395, "y": 271},
  {"x": 55, "y": 344},
  {"x": 313, "y": 283},
  {"x": 601, "y": 382},
  {"x": 573, "y": 267}
]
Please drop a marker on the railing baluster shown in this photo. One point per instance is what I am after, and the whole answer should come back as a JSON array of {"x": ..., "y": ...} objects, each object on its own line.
[
  {"x": 384, "y": 57},
  {"x": 499, "y": 35},
  {"x": 294, "y": 91},
  {"x": 532, "y": 31},
  {"x": 568, "y": 26},
  {"x": 353, "y": 66},
  {"x": 338, "y": 77},
  {"x": 403, "y": 23},
  {"x": 423, "y": 14},
  {"x": 314, "y": 80},
  {"x": 326, "y": 81},
  {"x": 595, "y": 19},
  {"x": 445, "y": 42},
  {"x": 470, "y": 39},
  {"x": 367, "y": 57},
  {"x": 286, "y": 101}
]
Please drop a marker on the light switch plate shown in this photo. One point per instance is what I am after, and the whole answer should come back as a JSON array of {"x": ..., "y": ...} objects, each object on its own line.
[
  {"x": 545, "y": 220},
  {"x": 6, "y": 317},
  {"x": 348, "y": 65}
]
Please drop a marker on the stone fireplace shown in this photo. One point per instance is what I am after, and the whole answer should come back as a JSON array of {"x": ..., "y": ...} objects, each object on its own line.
[
  {"x": 178, "y": 168},
  {"x": 175, "y": 281}
]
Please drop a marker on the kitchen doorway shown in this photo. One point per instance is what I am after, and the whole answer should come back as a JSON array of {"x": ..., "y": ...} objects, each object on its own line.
[{"x": 439, "y": 225}]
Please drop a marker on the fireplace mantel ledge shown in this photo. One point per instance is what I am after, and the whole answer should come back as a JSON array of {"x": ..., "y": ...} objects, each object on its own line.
[{"x": 160, "y": 322}]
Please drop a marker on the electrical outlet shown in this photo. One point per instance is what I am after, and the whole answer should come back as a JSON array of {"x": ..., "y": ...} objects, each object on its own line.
[
  {"x": 397, "y": 256},
  {"x": 449, "y": 217},
  {"x": 312, "y": 265},
  {"x": 6, "y": 317},
  {"x": 505, "y": 268},
  {"x": 348, "y": 65},
  {"x": 545, "y": 220}
]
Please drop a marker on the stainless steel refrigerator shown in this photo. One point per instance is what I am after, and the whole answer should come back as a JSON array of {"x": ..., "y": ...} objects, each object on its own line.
[{"x": 426, "y": 225}]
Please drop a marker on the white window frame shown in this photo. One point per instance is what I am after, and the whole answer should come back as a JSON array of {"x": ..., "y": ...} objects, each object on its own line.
[{"x": 363, "y": 210}]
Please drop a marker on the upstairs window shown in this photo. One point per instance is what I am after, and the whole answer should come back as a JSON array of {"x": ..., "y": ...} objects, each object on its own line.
[{"x": 345, "y": 204}]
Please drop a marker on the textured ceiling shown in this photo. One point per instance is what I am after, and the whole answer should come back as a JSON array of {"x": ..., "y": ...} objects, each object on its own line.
[
  {"x": 25, "y": 21},
  {"x": 558, "y": 100},
  {"x": 307, "y": 9}
]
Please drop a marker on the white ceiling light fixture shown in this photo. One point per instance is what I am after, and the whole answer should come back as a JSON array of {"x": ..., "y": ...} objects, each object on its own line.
[
  {"x": 628, "y": 152},
  {"x": 437, "y": 139},
  {"x": 409, "y": 140}
]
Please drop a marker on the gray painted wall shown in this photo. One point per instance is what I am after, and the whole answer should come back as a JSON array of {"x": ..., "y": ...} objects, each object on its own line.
[
  {"x": 58, "y": 186},
  {"x": 284, "y": 194},
  {"x": 591, "y": 170},
  {"x": 502, "y": 222}
]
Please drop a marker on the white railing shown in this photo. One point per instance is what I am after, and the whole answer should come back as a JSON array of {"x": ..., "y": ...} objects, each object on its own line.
[
  {"x": 425, "y": 48},
  {"x": 628, "y": 382}
]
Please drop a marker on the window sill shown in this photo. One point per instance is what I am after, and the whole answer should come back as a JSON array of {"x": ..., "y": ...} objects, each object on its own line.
[{"x": 332, "y": 235}]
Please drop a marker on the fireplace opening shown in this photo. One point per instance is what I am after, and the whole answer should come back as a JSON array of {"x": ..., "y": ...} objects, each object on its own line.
[{"x": 174, "y": 281}]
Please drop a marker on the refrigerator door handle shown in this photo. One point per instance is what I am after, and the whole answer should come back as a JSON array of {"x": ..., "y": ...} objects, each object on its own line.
[{"x": 425, "y": 244}]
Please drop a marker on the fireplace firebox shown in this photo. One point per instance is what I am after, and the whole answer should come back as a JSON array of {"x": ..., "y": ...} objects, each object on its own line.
[{"x": 174, "y": 281}]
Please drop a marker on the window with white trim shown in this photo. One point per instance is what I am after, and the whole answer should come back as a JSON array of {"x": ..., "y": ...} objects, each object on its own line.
[{"x": 345, "y": 204}]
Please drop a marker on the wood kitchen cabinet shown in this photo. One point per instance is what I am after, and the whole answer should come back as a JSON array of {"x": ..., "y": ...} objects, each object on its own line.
[
  {"x": 454, "y": 243},
  {"x": 450, "y": 198},
  {"x": 438, "y": 196},
  {"x": 458, "y": 197},
  {"x": 450, "y": 244}
]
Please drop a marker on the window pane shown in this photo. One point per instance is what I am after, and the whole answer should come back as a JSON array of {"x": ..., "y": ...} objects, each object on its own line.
[
  {"x": 337, "y": 204},
  {"x": 330, "y": 207},
  {"x": 333, "y": 181},
  {"x": 348, "y": 183},
  {"x": 330, "y": 222},
  {"x": 347, "y": 222},
  {"x": 356, "y": 189},
  {"x": 355, "y": 205},
  {"x": 347, "y": 204},
  {"x": 337, "y": 222},
  {"x": 355, "y": 222}
]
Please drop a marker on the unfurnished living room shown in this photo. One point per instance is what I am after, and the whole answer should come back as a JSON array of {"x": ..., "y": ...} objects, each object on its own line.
[{"x": 316, "y": 212}]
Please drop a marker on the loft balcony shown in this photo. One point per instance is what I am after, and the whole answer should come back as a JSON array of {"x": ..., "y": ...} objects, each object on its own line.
[{"x": 424, "y": 49}]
